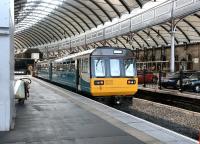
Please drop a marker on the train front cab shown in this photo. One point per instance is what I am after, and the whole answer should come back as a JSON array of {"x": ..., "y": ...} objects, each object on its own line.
[{"x": 113, "y": 73}]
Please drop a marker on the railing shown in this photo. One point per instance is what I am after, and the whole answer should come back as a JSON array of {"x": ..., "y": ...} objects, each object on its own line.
[
  {"x": 163, "y": 80},
  {"x": 164, "y": 66}
]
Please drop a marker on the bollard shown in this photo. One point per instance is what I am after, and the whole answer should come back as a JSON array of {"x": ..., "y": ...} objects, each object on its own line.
[
  {"x": 144, "y": 79},
  {"x": 181, "y": 81},
  {"x": 159, "y": 82}
]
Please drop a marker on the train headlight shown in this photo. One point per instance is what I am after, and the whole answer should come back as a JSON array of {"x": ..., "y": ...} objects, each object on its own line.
[
  {"x": 98, "y": 82},
  {"x": 131, "y": 82}
]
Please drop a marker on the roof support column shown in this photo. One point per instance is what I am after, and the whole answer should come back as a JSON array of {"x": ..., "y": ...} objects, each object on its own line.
[
  {"x": 172, "y": 54},
  {"x": 173, "y": 28},
  {"x": 6, "y": 64}
]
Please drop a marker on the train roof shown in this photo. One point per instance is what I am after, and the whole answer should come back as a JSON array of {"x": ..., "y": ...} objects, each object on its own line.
[
  {"x": 75, "y": 55},
  {"x": 100, "y": 51}
]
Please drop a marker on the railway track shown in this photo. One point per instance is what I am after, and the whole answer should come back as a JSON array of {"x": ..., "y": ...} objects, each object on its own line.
[
  {"x": 175, "y": 113},
  {"x": 171, "y": 100}
]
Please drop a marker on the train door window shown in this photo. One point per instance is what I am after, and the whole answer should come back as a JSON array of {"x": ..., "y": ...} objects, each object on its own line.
[
  {"x": 53, "y": 66},
  {"x": 72, "y": 66},
  {"x": 115, "y": 67},
  {"x": 129, "y": 66},
  {"x": 85, "y": 65},
  {"x": 67, "y": 66},
  {"x": 99, "y": 68},
  {"x": 80, "y": 65},
  {"x": 64, "y": 66}
]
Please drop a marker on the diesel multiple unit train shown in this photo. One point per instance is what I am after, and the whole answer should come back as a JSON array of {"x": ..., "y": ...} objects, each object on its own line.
[{"x": 101, "y": 72}]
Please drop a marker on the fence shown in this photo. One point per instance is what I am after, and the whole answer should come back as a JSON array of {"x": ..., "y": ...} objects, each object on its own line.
[{"x": 180, "y": 80}]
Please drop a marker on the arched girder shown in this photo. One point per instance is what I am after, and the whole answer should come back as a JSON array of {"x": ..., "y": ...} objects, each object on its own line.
[
  {"x": 164, "y": 28},
  {"x": 99, "y": 44},
  {"x": 79, "y": 17},
  {"x": 143, "y": 39},
  {"x": 19, "y": 45},
  {"x": 125, "y": 5},
  {"x": 51, "y": 22},
  {"x": 151, "y": 37},
  {"x": 26, "y": 42},
  {"x": 65, "y": 14},
  {"x": 50, "y": 30},
  {"x": 93, "y": 12},
  {"x": 28, "y": 38},
  {"x": 81, "y": 11},
  {"x": 81, "y": 48},
  {"x": 112, "y": 41},
  {"x": 54, "y": 18},
  {"x": 60, "y": 26},
  {"x": 121, "y": 42},
  {"x": 45, "y": 26},
  {"x": 42, "y": 31},
  {"x": 188, "y": 23},
  {"x": 96, "y": 44},
  {"x": 126, "y": 41},
  {"x": 39, "y": 35},
  {"x": 134, "y": 40},
  {"x": 139, "y": 3},
  {"x": 16, "y": 45},
  {"x": 30, "y": 43},
  {"x": 187, "y": 38},
  {"x": 35, "y": 37},
  {"x": 60, "y": 22},
  {"x": 106, "y": 43},
  {"x": 165, "y": 41},
  {"x": 112, "y": 6},
  {"x": 104, "y": 11},
  {"x": 137, "y": 42}
]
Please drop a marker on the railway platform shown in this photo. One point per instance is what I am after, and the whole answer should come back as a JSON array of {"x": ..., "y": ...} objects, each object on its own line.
[{"x": 55, "y": 115}]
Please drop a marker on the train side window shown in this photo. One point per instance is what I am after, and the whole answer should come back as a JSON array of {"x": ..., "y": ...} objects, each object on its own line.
[
  {"x": 129, "y": 66},
  {"x": 85, "y": 65}
]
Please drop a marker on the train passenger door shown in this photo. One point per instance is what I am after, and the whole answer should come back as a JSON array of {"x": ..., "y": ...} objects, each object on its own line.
[
  {"x": 50, "y": 71},
  {"x": 78, "y": 74}
]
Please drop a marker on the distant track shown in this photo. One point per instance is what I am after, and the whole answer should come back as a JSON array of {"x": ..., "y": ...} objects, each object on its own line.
[{"x": 172, "y": 100}]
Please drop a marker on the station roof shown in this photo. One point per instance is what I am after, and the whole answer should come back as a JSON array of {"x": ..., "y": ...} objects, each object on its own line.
[
  {"x": 38, "y": 22},
  {"x": 65, "y": 18}
]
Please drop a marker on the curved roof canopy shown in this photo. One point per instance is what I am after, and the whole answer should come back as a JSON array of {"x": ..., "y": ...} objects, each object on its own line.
[{"x": 42, "y": 21}]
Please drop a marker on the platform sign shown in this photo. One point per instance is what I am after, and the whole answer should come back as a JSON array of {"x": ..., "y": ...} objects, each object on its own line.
[{"x": 35, "y": 56}]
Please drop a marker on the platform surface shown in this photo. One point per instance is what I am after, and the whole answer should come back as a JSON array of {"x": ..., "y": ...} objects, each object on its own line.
[
  {"x": 50, "y": 118},
  {"x": 56, "y": 116}
]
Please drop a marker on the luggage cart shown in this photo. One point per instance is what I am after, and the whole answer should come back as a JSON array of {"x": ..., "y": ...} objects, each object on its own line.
[{"x": 21, "y": 89}]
